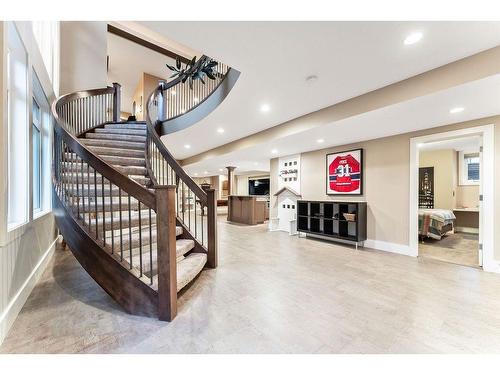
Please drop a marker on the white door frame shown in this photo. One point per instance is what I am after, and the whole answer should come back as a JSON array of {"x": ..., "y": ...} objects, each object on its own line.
[{"x": 487, "y": 181}]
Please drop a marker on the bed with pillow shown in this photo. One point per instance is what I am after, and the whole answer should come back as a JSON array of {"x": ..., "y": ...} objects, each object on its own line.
[{"x": 435, "y": 223}]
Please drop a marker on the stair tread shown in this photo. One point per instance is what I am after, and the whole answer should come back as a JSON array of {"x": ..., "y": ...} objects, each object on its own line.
[
  {"x": 125, "y": 126},
  {"x": 113, "y": 143},
  {"x": 182, "y": 246},
  {"x": 120, "y": 131},
  {"x": 116, "y": 151},
  {"x": 116, "y": 137},
  {"x": 72, "y": 178},
  {"x": 189, "y": 267},
  {"x": 135, "y": 235},
  {"x": 123, "y": 161},
  {"x": 134, "y": 220}
]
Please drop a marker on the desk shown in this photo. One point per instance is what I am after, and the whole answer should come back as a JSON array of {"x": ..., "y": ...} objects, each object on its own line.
[{"x": 467, "y": 219}]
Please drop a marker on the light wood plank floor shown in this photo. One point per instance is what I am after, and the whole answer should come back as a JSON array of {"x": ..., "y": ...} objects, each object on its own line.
[
  {"x": 275, "y": 294},
  {"x": 458, "y": 248}
]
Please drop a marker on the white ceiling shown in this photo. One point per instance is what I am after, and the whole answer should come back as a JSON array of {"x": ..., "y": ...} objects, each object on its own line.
[
  {"x": 479, "y": 98},
  {"x": 350, "y": 58},
  {"x": 458, "y": 144},
  {"x": 127, "y": 62}
]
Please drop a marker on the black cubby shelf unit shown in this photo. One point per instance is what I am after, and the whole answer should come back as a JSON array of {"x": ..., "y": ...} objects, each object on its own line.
[{"x": 326, "y": 219}]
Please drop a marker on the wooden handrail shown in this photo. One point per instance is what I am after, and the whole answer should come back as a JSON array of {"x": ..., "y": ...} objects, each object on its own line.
[
  {"x": 126, "y": 184},
  {"x": 79, "y": 95},
  {"x": 172, "y": 162}
]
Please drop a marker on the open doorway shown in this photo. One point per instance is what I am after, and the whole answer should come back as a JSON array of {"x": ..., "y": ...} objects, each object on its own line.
[
  {"x": 450, "y": 194},
  {"x": 448, "y": 208}
]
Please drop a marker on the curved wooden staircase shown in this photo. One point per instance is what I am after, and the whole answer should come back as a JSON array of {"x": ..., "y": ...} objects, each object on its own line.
[{"x": 136, "y": 222}]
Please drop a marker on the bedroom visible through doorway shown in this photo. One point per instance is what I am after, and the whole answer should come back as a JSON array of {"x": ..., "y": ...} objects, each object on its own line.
[{"x": 449, "y": 189}]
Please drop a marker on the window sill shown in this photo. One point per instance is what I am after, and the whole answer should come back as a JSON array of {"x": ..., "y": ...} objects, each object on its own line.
[{"x": 39, "y": 214}]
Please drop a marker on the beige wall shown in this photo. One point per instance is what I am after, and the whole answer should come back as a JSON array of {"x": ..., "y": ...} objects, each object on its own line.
[
  {"x": 386, "y": 180},
  {"x": 467, "y": 196},
  {"x": 25, "y": 251},
  {"x": 147, "y": 83},
  {"x": 84, "y": 49},
  {"x": 445, "y": 176}
]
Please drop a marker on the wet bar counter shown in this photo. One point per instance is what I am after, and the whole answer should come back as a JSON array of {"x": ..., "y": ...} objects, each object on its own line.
[{"x": 247, "y": 209}]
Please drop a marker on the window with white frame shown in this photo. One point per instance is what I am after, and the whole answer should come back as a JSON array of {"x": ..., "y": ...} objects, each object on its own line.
[
  {"x": 18, "y": 130},
  {"x": 47, "y": 37},
  {"x": 41, "y": 149},
  {"x": 470, "y": 168},
  {"x": 36, "y": 129}
]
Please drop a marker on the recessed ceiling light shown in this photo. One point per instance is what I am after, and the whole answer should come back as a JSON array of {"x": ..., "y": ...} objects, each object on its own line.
[
  {"x": 255, "y": 163},
  {"x": 274, "y": 151},
  {"x": 196, "y": 174},
  {"x": 220, "y": 130},
  {"x": 265, "y": 108},
  {"x": 206, "y": 172},
  {"x": 187, "y": 146},
  {"x": 413, "y": 38},
  {"x": 220, "y": 169},
  {"x": 173, "y": 93},
  {"x": 457, "y": 109},
  {"x": 311, "y": 78},
  {"x": 321, "y": 140}
]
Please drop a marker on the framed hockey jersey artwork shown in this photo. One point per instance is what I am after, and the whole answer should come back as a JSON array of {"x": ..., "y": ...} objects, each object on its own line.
[{"x": 344, "y": 173}]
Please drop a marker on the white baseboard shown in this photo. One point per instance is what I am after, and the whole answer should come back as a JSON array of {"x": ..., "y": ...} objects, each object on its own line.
[
  {"x": 389, "y": 247},
  {"x": 467, "y": 230},
  {"x": 16, "y": 304},
  {"x": 491, "y": 266}
]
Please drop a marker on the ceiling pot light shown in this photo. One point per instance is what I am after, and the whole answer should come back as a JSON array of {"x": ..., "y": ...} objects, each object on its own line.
[
  {"x": 311, "y": 78},
  {"x": 265, "y": 108},
  {"x": 196, "y": 174},
  {"x": 220, "y": 169},
  {"x": 220, "y": 130},
  {"x": 187, "y": 146},
  {"x": 456, "y": 110},
  {"x": 413, "y": 38},
  {"x": 274, "y": 151},
  {"x": 321, "y": 140},
  {"x": 206, "y": 172}
]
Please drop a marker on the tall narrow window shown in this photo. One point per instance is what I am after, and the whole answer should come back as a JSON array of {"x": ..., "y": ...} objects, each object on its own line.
[
  {"x": 47, "y": 37},
  {"x": 41, "y": 149},
  {"x": 37, "y": 157},
  {"x": 18, "y": 130}
]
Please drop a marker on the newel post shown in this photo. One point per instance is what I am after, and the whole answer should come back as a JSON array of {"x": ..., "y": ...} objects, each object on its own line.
[
  {"x": 117, "y": 101},
  {"x": 167, "y": 265},
  {"x": 212, "y": 257}
]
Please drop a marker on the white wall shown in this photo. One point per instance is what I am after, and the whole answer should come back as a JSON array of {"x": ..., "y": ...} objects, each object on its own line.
[
  {"x": 84, "y": 48},
  {"x": 25, "y": 251}
]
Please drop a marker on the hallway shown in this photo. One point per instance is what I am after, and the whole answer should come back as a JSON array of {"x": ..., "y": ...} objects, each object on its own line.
[{"x": 273, "y": 293}]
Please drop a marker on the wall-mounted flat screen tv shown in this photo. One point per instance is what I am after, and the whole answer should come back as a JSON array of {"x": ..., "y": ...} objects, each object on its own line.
[{"x": 258, "y": 186}]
